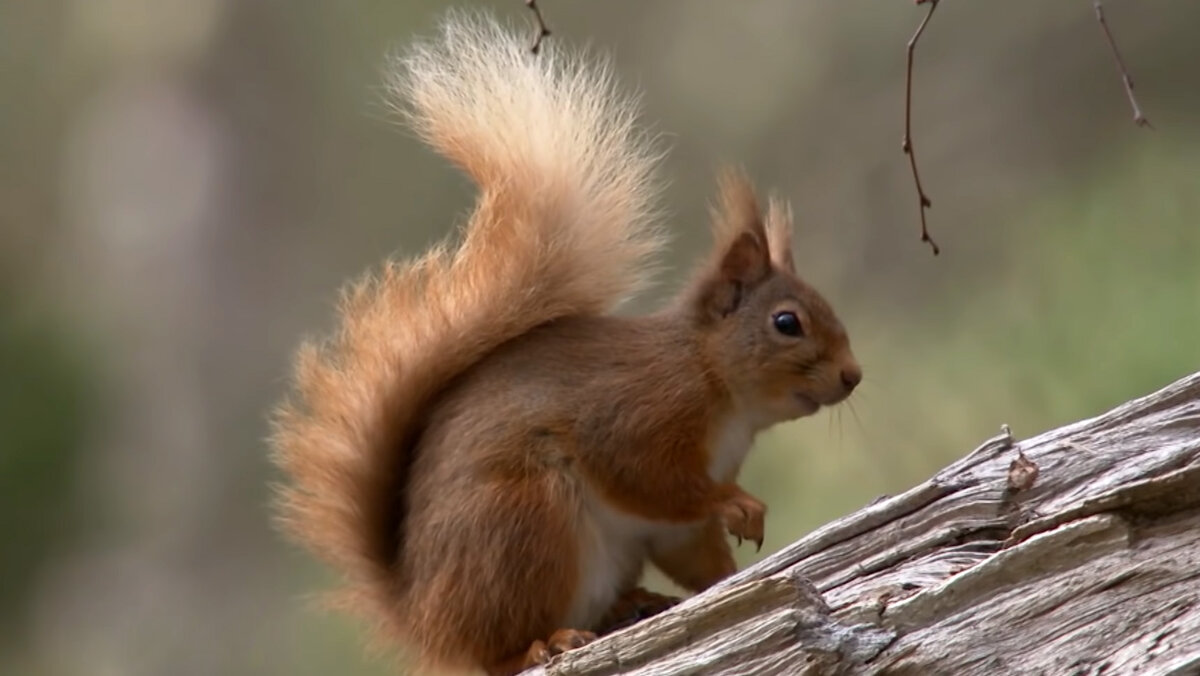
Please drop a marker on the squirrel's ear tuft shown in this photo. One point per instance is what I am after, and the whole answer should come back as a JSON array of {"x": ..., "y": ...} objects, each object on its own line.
[
  {"x": 779, "y": 234},
  {"x": 736, "y": 210}
]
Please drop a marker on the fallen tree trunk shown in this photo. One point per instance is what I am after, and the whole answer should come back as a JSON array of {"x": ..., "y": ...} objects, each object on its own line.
[{"x": 1074, "y": 552}]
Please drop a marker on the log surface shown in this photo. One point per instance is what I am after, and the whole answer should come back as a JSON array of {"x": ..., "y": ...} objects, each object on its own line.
[{"x": 1074, "y": 552}]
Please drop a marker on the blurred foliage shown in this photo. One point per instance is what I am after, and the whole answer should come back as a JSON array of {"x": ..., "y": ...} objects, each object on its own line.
[
  {"x": 44, "y": 408},
  {"x": 186, "y": 183}
]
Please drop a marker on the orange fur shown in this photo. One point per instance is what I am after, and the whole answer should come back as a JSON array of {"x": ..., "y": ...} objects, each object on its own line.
[
  {"x": 698, "y": 562},
  {"x": 488, "y": 455}
]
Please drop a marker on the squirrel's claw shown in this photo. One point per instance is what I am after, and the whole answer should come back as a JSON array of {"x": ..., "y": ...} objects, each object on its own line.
[{"x": 743, "y": 516}]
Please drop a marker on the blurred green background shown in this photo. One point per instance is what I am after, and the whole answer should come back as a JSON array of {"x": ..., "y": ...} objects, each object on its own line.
[{"x": 186, "y": 183}]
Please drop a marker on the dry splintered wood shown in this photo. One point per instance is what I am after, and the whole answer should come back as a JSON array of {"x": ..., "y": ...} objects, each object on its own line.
[{"x": 1090, "y": 567}]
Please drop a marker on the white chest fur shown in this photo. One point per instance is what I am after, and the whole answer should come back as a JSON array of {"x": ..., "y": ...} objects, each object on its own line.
[
  {"x": 613, "y": 545},
  {"x": 730, "y": 441},
  {"x": 612, "y": 549}
]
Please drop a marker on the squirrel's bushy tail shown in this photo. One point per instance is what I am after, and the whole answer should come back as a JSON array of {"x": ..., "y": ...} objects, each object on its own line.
[{"x": 563, "y": 226}]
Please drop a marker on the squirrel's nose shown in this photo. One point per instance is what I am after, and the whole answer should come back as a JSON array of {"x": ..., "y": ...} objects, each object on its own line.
[{"x": 851, "y": 377}]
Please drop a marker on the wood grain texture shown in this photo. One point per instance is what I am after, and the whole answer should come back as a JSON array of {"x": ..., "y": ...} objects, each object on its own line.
[{"x": 1094, "y": 569}]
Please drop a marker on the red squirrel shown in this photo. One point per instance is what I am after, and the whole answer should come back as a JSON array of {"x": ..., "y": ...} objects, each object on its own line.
[{"x": 486, "y": 452}]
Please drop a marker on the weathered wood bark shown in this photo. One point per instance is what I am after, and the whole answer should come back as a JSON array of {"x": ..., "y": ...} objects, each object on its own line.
[{"x": 1094, "y": 569}]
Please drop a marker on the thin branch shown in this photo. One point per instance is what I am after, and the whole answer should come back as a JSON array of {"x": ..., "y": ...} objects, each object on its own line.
[
  {"x": 543, "y": 31},
  {"x": 923, "y": 199},
  {"x": 1138, "y": 118}
]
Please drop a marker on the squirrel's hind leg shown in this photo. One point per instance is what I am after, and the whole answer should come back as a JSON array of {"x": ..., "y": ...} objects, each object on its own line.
[{"x": 492, "y": 563}]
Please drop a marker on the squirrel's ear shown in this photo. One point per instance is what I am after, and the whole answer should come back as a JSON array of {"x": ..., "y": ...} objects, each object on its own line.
[
  {"x": 743, "y": 264},
  {"x": 779, "y": 234},
  {"x": 745, "y": 261},
  {"x": 742, "y": 258}
]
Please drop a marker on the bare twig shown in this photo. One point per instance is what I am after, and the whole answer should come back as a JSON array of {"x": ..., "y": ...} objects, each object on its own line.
[
  {"x": 543, "y": 31},
  {"x": 922, "y": 198},
  {"x": 1138, "y": 118}
]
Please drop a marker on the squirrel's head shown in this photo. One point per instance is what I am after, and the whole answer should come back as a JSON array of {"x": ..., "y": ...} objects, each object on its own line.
[{"x": 777, "y": 344}]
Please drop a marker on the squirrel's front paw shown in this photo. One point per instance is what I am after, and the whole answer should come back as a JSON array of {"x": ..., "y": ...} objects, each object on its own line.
[{"x": 742, "y": 515}]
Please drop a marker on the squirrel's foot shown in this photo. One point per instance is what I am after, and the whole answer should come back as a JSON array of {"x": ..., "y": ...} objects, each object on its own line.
[
  {"x": 560, "y": 641},
  {"x": 568, "y": 639},
  {"x": 633, "y": 606},
  {"x": 743, "y": 516}
]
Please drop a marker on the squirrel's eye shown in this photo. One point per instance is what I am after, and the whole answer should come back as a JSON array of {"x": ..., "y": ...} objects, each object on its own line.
[{"x": 787, "y": 323}]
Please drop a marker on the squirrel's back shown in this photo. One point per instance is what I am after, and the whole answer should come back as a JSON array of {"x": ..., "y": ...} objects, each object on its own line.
[{"x": 563, "y": 226}]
